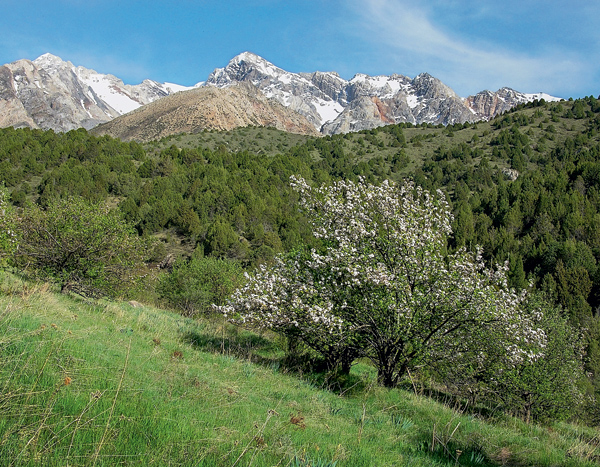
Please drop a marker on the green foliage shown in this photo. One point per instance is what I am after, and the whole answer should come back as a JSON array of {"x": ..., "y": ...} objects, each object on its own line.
[
  {"x": 8, "y": 230},
  {"x": 193, "y": 286},
  {"x": 221, "y": 240},
  {"x": 548, "y": 387},
  {"x": 85, "y": 247}
]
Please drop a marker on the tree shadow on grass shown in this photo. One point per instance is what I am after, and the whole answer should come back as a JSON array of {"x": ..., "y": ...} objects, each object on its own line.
[
  {"x": 456, "y": 402},
  {"x": 240, "y": 344},
  {"x": 269, "y": 353},
  {"x": 434, "y": 446}
]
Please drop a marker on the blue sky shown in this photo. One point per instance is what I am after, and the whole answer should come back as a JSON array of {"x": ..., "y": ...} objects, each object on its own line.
[{"x": 530, "y": 45}]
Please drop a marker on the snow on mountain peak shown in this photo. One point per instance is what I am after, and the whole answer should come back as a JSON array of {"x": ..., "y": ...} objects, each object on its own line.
[
  {"x": 48, "y": 58},
  {"x": 358, "y": 77},
  {"x": 250, "y": 61},
  {"x": 542, "y": 95},
  {"x": 247, "y": 57},
  {"x": 51, "y": 63}
]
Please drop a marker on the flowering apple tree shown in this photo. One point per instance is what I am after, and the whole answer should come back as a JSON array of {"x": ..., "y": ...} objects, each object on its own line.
[
  {"x": 385, "y": 282},
  {"x": 288, "y": 298}
]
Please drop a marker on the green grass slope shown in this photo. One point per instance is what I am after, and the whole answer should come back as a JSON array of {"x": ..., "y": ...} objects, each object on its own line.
[
  {"x": 107, "y": 383},
  {"x": 258, "y": 140}
]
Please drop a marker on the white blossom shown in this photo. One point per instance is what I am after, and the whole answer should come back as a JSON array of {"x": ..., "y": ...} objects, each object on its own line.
[{"x": 385, "y": 279}]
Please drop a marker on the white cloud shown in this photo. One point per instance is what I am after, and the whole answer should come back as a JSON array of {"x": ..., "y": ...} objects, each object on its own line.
[{"x": 409, "y": 32}]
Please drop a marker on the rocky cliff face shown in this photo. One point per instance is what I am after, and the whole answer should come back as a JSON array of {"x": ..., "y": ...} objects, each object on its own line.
[
  {"x": 205, "y": 108},
  {"x": 50, "y": 93},
  {"x": 488, "y": 104}
]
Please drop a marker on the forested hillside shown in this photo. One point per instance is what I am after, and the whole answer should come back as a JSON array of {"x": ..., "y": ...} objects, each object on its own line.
[{"x": 525, "y": 186}]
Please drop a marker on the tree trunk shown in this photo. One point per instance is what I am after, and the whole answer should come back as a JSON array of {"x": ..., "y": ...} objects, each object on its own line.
[
  {"x": 389, "y": 369},
  {"x": 528, "y": 408},
  {"x": 340, "y": 361},
  {"x": 387, "y": 375},
  {"x": 346, "y": 359}
]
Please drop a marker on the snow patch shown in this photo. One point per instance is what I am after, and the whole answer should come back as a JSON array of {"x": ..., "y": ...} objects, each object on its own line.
[
  {"x": 285, "y": 79},
  {"x": 106, "y": 90},
  {"x": 359, "y": 78},
  {"x": 412, "y": 101},
  {"x": 172, "y": 88},
  {"x": 542, "y": 95},
  {"x": 328, "y": 111}
]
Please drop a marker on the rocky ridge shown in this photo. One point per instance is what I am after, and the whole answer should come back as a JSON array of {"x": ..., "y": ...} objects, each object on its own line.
[
  {"x": 489, "y": 104},
  {"x": 205, "y": 108},
  {"x": 335, "y": 105}
]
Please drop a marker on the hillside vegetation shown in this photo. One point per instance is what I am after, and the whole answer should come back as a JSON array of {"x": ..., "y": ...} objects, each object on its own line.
[
  {"x": 228, "y": 195},
  {"x": 192, "y": 213}
]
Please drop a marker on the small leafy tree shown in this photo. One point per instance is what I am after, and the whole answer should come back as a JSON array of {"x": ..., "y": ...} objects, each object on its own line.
[
  {"x": 385, "y": 281},
  {"x": 192, "y": 286},
  {"x": 85, "y": 247},
  {"x": 548, "y": 387}
]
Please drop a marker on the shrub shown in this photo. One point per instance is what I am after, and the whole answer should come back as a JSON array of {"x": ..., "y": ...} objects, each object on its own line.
[
  {"x": 85, "y": 247},
  {"x": 192, "y": 286},
  {"x": 8, "y": 232}
]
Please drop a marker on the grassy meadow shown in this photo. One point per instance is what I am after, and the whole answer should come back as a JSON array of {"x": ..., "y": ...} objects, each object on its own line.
[{"x": 101, "y": 383}]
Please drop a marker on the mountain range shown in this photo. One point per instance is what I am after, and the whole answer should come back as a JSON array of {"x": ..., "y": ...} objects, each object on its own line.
[{"x": 50, "y": 93}]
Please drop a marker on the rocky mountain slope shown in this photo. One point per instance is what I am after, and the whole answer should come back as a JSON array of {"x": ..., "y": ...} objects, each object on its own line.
[
  {"x": 205, "y": 108},
  {"x": 335, "y": 105},
  {"x": 50, "y": 93}
]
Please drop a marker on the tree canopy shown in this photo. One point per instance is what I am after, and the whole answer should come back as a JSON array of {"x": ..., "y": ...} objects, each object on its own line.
[{"x": 384, "y": 284}]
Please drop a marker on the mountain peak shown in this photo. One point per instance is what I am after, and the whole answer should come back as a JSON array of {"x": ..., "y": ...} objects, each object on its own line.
[
  {"x": 247, "y": 67},
  {"x": 362, "y": 77},
  {"x": 48, "y": 59},
  {"x": 49, "y": 56},
  {"x": 248, "y": 62},
  {"x": 251, "y": 60},
  {"x": 247, "y": 57},
  {"x": 425, "y": 77},
  {"x": 51, "y": 93}
]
